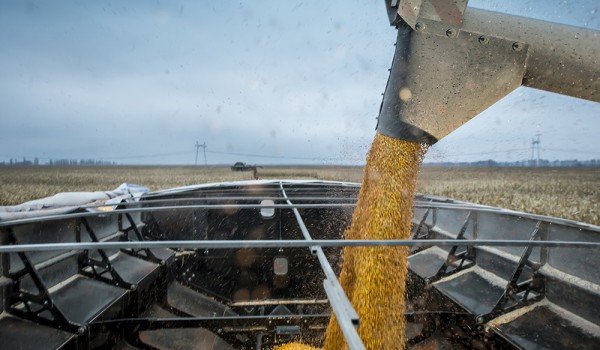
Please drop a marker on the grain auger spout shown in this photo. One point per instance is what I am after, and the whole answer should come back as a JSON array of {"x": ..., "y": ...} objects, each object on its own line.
[{"x": 452, "y": 62}]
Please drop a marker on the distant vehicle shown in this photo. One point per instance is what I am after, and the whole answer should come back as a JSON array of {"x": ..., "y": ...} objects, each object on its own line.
[{"x": 240, "y": 166}]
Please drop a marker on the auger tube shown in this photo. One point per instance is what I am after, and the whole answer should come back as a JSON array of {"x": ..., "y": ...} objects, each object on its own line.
[{"x": 452, "y": 62}]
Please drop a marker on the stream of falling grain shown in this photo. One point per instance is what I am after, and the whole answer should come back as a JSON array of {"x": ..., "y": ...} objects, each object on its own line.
[{"x": 374, "y": 277}]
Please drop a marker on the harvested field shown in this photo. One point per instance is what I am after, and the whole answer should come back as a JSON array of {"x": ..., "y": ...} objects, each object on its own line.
[{"x": 568, "y": 193}]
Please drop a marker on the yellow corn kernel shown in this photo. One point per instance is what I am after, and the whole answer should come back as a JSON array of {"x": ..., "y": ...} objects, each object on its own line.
[{"x": 374, "y": 278}]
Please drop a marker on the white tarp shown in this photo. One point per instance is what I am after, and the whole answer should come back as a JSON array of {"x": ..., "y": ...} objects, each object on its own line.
[{"x": 66, "y": 202}]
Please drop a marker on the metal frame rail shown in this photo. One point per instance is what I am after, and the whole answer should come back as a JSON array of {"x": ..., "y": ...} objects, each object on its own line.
[
  {"x": 345, "y": 314},
  {"x": 292, "y": 243},
  {"x": 418, "y": 205}
]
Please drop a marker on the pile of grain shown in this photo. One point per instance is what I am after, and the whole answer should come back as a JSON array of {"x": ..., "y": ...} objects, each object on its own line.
[
  {"x": 295, "y": 346},
  {"x": 374, "y": 277}
]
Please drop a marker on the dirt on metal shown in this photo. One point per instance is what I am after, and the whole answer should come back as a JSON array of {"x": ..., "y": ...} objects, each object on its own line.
[{"x": 295, "y": 346}]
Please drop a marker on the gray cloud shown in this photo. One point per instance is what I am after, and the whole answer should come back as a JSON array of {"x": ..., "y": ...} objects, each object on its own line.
[{"x": 104, "y": 79}]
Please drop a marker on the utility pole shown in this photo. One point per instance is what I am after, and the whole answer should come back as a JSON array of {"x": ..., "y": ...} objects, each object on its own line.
[
  {"x": 539, "y": 145},
  {"x": 198, "y": 145},
  {"x": 535, "y": 143}
]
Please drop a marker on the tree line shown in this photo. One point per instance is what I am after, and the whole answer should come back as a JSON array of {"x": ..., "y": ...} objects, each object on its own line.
[{"x": 71, "y": 162}]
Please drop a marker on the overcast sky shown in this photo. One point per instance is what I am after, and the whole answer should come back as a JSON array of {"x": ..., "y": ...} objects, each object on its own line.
[{"x": 141, "y": 81}]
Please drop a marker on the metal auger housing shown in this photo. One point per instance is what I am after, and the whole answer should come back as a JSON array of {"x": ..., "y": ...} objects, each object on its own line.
[{"x": 452, "y": 62}]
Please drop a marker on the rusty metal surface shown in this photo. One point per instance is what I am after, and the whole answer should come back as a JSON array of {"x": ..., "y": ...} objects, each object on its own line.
[{"x": 449, "y": 12}]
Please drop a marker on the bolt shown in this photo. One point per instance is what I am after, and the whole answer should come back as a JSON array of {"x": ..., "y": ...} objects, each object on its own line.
[
  {"x": 81, "y": 330},
  {"x": 219, "y": 331},
  {"x": 133, "y": 287},
  {"x": 451, "y": 33},
  {"x": 517, "y": 46},
  {"x": 420, "y": 26},
  {"x": 484, "y": 40},
  {"x": 479, "y": 319}
]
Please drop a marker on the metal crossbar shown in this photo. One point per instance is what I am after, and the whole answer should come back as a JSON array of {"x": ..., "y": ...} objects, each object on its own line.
[
  {"x": 167, "y": 208},
  {"x": 217, "y": 324},
  {"x": 418, "y": 205},
  {"x": 212, "y": 199},
  {"x": 295, "y": 243},
  {"x": 237, "y": 191}
]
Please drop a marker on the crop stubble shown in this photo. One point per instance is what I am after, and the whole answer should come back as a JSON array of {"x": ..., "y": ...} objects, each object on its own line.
[{"x": 561, "y": 192}]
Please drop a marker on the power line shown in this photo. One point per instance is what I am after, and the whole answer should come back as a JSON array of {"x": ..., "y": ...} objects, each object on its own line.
[
  {"x": 146, "y": 155},
  {"x": 270, "y": 156},
  {"x": 570, "y": 150},
  {"x": 482, "y": 153}
]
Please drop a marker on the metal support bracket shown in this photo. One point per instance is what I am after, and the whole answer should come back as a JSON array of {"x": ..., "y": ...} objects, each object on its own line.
[
  {"x": 142, "y": 253},
  {"x": 102, "y": 269},
  {"x": 466, "y": 259},
  {"x": 417, "y": 234},
  {"x": 517, "y": 294},
  {"x": 38, "y": 307}
]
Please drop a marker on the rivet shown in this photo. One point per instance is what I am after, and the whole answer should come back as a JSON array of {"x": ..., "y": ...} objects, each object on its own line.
[
  {"x": 484, "y": 40},
  {"x": 517, "y": 46}
]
